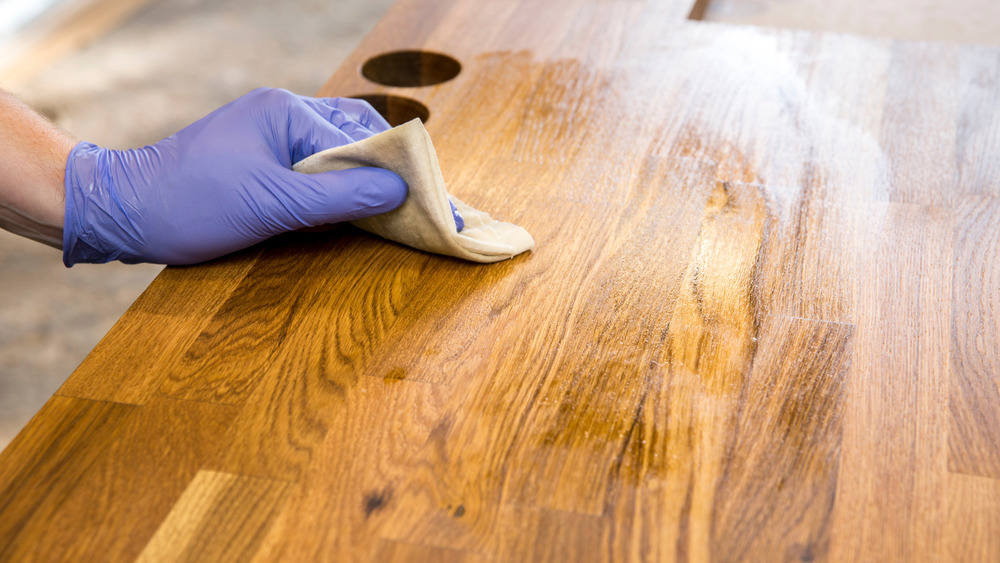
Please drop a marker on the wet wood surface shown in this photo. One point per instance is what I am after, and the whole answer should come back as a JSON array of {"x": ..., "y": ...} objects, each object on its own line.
[{"x": 761, "y": 322}]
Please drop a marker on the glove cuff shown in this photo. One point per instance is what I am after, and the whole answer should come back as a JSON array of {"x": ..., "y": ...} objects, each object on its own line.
[{"x": 96, "y": 228}]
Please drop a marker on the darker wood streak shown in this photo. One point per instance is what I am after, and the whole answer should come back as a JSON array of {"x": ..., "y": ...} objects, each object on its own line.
[
  {"x": 224, "y": 363},
  {"x": 775, "y": 498}
]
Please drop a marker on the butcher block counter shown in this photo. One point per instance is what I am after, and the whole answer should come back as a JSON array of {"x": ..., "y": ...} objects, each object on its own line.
[{"x": 761, "y": 321}]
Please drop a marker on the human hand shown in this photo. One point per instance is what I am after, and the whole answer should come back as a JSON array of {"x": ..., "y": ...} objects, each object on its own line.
[{"x": 223, "y": 183}]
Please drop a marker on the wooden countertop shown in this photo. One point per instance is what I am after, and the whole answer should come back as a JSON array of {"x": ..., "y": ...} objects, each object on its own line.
[{"x": 762, "y": 321}]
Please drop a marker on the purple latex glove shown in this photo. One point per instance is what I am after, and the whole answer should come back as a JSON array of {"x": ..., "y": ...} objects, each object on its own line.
[
  {"x": 223, "y": 183},
  {"x": 459, "y": 222}
]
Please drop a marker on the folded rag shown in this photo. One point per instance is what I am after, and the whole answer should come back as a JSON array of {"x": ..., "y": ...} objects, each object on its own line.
[{"x": 424, "y": 220}]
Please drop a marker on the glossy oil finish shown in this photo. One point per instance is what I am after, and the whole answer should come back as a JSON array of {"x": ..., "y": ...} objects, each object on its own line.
[{"x": 760, "y": 323}]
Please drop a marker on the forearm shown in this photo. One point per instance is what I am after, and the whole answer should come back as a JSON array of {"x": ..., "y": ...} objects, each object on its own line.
[{"x": 33, "y": 155}]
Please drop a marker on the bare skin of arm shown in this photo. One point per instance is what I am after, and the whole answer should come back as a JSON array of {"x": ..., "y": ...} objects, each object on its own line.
[{"x": 33, "y": 155}]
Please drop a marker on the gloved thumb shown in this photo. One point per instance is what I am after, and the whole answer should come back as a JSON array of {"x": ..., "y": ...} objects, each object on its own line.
[{"x": 341, "y": 195}]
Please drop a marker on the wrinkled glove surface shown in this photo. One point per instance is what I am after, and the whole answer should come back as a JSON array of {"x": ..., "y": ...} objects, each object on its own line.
[{"x": 223, "y": 183}]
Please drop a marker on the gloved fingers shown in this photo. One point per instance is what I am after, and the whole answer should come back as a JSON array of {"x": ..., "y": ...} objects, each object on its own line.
[
  {"x": 341, "y": 195},
  {"x": 309, "y": 134},
  {"x": 350, "y": 113},
  {"x": 316, "y": 124}
]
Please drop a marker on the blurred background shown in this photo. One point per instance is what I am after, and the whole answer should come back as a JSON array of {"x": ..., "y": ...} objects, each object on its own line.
[{"x": 126, "y": 73}]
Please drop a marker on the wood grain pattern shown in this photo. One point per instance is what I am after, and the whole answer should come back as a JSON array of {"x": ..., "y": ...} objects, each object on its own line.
[
  {"x": 155, "y": 332},
  {"x": 894, "y": 456},
  {"x": 49, "y": 458},
  {"x": 974, "y": 432},
  {"x": 794, "y": 399},
  {"x": 396, "y": 552},
  {"x": 220, "y": 517},
  {"x": 549, "y": 535},
  {"x": 972, "y": 518},
  {"x": 164, "y": 443},
  {"x": 760, "y": 323}
]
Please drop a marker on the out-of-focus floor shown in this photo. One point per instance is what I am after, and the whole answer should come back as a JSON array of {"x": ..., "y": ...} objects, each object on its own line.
[{"x": 162, "y": 68}]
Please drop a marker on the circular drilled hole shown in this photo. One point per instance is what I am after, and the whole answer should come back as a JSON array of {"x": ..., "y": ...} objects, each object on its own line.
[
  {"x": 397, "y": 110},
  {"x": 411, "y": 68}
]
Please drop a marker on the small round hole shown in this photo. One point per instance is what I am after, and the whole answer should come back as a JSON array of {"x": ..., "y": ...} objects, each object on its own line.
[
  {"x": 397, "y": 110},
  {"x": 411, "y": 68}
]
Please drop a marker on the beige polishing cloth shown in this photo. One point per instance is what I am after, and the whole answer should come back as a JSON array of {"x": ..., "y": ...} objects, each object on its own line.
[{"x": 424, "y": 220}]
